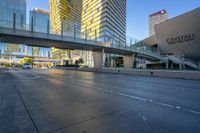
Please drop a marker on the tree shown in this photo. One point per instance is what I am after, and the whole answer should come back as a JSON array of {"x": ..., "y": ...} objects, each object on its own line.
[
  {"x": 76, "y": 62},
  {"x": 26, "y": 60},
  {"x": 80, "y": 61}
]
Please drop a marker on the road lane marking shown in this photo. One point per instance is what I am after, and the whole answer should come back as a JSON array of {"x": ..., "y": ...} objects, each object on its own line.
[
  {"x": 144, "y": 118},
  {"x": 109, "y": 91},
  {"x": 142, "y": 99},
  {"x": 84, "y": 84},
  {"x": 164, "y": 104},
  {"x": 133, "y": 97},
  {"x": 105, "y": 90},
  {"x": 178, "y": 107},
  {"x": 192, "y": 111}
]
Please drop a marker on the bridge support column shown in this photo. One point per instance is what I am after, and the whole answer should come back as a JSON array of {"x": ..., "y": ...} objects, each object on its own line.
[
  {"x": 128, "y": 61},
  {"x": 167, "y": 64},
  {"x": 98, "y": 59},
  {"x": 180, "y": 66},
  {"x": 134, "y": 61},
  {"x": 172, "y": 66},
  {"x": 183, "y": 66}
]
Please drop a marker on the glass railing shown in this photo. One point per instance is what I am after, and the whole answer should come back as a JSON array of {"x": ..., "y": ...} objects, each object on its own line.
[{"x": 87, "y": 38}]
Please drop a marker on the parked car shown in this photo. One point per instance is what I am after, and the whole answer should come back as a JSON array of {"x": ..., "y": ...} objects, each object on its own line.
[{"x": 26, "y": 66}]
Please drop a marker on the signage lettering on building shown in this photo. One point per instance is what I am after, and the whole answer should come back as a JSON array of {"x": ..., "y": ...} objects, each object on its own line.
[{"x": 181, "y": 39}]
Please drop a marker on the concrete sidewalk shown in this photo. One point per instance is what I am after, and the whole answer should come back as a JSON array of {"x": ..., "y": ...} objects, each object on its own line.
[
  {"x": 195, "y": 75},
  {"x": 3, "y": 69}
]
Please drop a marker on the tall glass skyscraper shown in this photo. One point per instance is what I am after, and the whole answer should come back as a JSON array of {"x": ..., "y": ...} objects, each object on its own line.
[
  {"x": 66, "y": 14},
  {"x": 40, "y": 23},
  {"x": 7, "y": 10},
  {"x": 39, "y": 18},
  {"x": 10, "y": 7},
  {"x": 105, "y": 20}
]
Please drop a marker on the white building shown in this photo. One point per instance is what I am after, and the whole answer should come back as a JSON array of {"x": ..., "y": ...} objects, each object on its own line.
[{"x": 155, "y": 19}]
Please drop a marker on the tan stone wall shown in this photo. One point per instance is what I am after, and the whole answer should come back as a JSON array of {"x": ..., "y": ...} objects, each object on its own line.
[
  {"x": 128, "y": 61},
  {"x": 178, "y": 27},
  {"x": 97, "y": 55}
]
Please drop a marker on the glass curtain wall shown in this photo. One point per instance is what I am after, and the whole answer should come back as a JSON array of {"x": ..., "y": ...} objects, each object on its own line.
[
  {"x": 7, "y": 10},
  {"x": 39, "y": 19},
  {"x": 105, "y": 20}
]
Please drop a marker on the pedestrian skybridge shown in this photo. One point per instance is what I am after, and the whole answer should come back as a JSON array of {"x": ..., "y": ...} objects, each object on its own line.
[{"x": 10, "y": 32}]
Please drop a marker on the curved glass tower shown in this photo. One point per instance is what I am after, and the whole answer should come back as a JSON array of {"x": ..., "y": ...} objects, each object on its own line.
[
  {"x": 66, "y": 14},
  {"x": 105, "y": 20}
]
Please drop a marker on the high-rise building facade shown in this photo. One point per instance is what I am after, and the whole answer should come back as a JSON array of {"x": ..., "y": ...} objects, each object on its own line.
[
  {"x": 39, "y": 21},
  {"x": 65, "y": 14},
  {"x": 10, "y": 7},
  {"x": 156, "y": 18},
  {"x": 7, "y": 10},
  {"x": 39, "y": 18},
  {"x": 104, "y": 20}
]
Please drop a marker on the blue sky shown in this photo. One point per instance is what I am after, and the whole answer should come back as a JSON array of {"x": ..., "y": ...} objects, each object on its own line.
[{"x": 138, "y": 12}]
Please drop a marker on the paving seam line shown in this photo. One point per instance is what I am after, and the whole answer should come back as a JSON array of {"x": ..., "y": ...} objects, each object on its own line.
[{"x": 26, "y": 108}]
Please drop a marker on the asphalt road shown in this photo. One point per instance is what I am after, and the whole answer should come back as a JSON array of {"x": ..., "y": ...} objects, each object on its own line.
[{"x": 59, "y": 101}]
